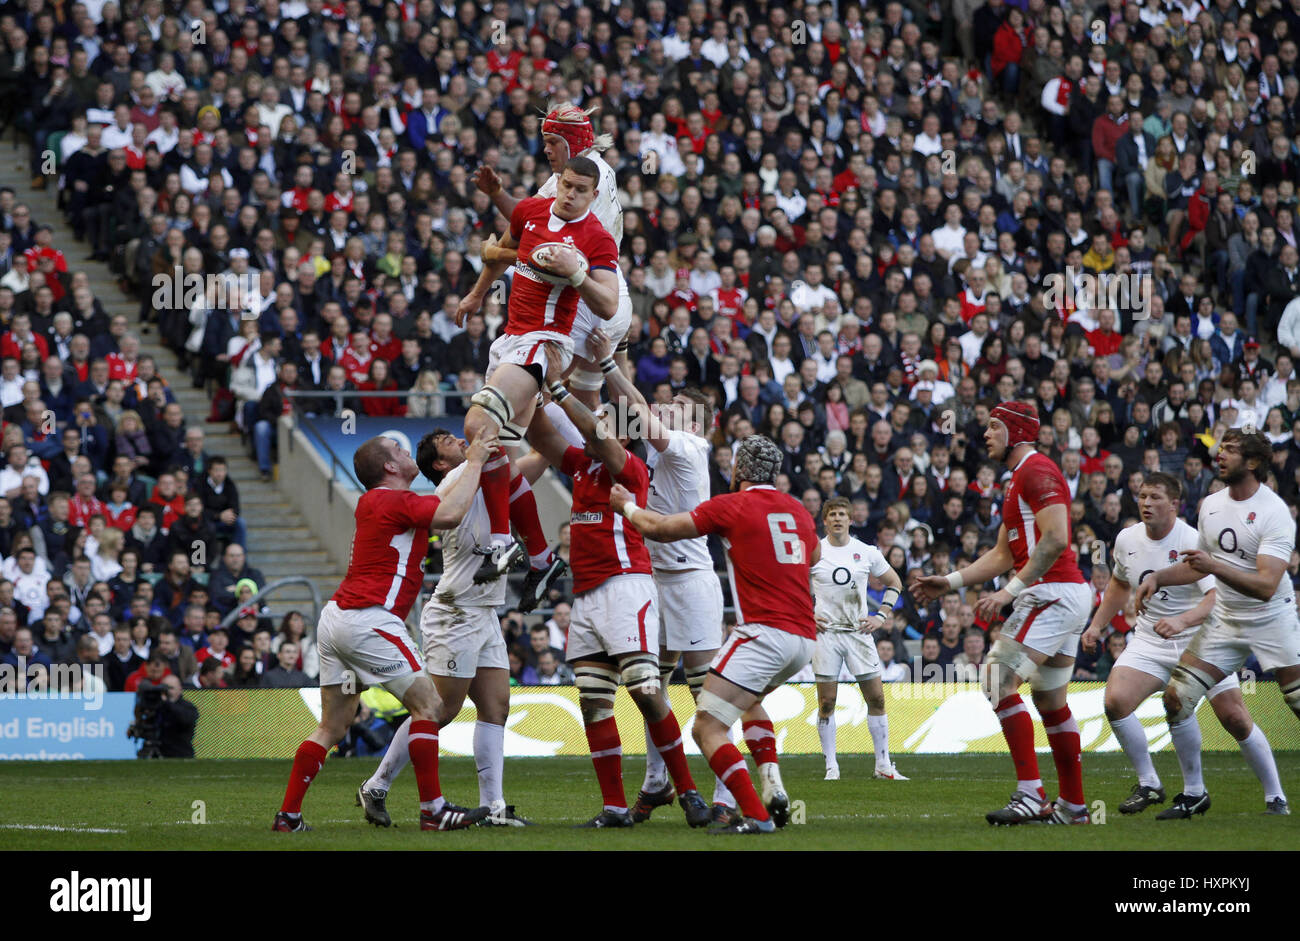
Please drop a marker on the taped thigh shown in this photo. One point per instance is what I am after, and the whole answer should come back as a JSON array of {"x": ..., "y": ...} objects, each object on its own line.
[
  {"x": 726, "y": 713},
  {"x": 640, "y": 673},
  {"x": 597, "y": 684},
  {"x": 1187, "y": 685}
]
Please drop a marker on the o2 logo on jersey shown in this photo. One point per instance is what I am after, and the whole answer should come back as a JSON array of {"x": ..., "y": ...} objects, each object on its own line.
[{"x": 841, "y": 576}]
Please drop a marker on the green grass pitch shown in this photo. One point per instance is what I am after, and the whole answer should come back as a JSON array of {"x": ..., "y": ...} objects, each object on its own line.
[{"x": 152, "y": 805}]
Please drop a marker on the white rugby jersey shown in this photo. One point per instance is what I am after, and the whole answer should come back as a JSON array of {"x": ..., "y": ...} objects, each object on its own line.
[
  {"x": 460, "y": 562},
  {"x": 679, "y": 482},
  {"x": 1237, "y": 532},
  {"x": 607, "y": 207},
  {"x": 1136, "y": 555},
  {"x": 840, "y": 582}
]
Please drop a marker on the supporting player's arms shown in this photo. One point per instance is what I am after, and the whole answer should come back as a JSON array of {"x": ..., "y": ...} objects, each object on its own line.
[
  {"x": 601, "y": 347},
  {"x": 486, "y": 179},
  {"x": 1112, "y": 603},
  {"x": 1259, "y": 584},
  {"x": 1172, "y": 627},
  {"x": 492, "y": 271},
  {"x": 458, "y": 497},
  {"x": 654, "y": 525},
  {"x": 548, "y": 447},
  {"x": 991, "y": 564},
  {"x": 604, "y": 445}
]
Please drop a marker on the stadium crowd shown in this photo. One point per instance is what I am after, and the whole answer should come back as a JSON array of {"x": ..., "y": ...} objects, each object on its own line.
[{"x": 855, "y": 226}]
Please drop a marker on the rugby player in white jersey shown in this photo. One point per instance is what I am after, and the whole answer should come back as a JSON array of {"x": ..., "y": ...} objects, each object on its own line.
[
  {"x": 1149, "y": 658},
  {"x": 690, "y": 596},
  {"x": 846, "y": 617},
  {"x": 567, "y": 132},
  {"x": 1247, "y": 536},
  {"x": 464, "y": 651}
]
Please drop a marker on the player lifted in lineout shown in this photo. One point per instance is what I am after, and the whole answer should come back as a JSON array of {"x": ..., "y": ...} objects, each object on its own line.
[
  {"x": 1051, "y": 603},
  {"x": 846, "y": 617},
  {"x": 564, "y": 254},
  {"x": 771, "y": 544},
  {"x": 613, "y": 634},
  {"x": 1247, "y": 536},
  {"x": 464, "y": 651},
  {"x": 690, "y": 598},
  {"x": 362, "y": 636},
  {"x": 1162, "y": 632},
  {"x": 567, "y": 132}
]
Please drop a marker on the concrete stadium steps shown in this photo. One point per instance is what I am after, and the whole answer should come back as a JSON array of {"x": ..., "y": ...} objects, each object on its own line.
[{"x": 280, "y": 542}]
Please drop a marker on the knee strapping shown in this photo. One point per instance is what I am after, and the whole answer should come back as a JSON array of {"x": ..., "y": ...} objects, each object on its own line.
[
  {"x": 1186, "y": 686},
  {"x": 640, "y": 674},
  {"x": 1007, "y": 658},
  {"x": 725, "y": 712},
  {"x": 1046, "y": 678},
  {"x": 695, "y": 678},
  {"x": 586, "y": 380},
  {"x": 493, "y": 401},
  {"x": 596, "y": 688},
  {"x": 1292, "y": 696}
]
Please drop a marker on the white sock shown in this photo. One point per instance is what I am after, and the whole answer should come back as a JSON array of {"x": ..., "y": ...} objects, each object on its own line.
[
  {"x": 434, "y": 805},
  {"x": 1187, "y": 743},
  {"x": 489, "y": 761},
  {"x": 721, "y": 795},
  {"x": 656, "y": 772},
  {"x": 1259, "y": 755},
  {"x": 1133, "y": 739},
  {"x": 879, "y": 726},
  {"x": 826, "y": 732},
  {"x": 395, "y": 759}
]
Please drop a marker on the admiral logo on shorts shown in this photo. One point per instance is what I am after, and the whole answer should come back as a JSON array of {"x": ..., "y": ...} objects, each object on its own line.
[
  {"x": 590, "y": 517},
  {"x": 388, "y": 668}
]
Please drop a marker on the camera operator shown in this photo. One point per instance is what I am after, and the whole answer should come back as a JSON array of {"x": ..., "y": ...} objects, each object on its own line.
[{"x": 177, "y": 718}]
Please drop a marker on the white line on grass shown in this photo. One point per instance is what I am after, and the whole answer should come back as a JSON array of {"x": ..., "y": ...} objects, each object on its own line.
[{"x": 51, "y": 827}]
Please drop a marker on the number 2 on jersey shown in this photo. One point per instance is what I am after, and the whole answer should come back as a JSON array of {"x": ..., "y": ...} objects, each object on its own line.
[{"x": 785, "y": 538}]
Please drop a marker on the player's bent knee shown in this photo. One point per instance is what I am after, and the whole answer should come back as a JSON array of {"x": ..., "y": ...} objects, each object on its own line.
[
  {"x": 1008, "y": 661},
  {"x": 597, "y": 685},
  {"x": 640, "y": 674},
  {"x": 695, "y": 678},
  {"x": 495, "y": 403},
  {"x": 1186, "y": 687},
  {"x": 1045, "y": 678},
  {"x": 1237, "y": 723},
  {"x": 1291, "y": 693},
  {"x": 718, "y": 708}
]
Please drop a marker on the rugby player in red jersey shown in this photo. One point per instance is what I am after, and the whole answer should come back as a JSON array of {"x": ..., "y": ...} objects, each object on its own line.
[
  {"x": 614, "y": 631},
  {"x": 775, "y": 634},
  {"x": 362, "y": 637},
  {"x": 543, "y": 305},
  {"x": 1051, "y": 603}
]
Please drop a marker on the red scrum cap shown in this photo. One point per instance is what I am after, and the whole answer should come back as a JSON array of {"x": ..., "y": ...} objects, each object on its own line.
[
  {"x": 573, "y": 124},
  {"x": 1021, "y": 420}
]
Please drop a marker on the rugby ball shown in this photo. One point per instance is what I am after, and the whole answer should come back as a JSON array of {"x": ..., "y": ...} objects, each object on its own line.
[{"x": 545, "y": 256}]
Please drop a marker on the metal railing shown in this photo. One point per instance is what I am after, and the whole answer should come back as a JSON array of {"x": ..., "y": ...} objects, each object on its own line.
[
  {"x": 279, "y": 583},
  {"x": 336, "y": 462}
]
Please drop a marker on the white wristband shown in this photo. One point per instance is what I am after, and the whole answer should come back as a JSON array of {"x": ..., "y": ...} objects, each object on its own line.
[
  {"x": 955, "y": 580},
  {"x": 1015, "y": 587},
  {"x": 577, "y": 278},
  {"x": 629, "y": 509}
]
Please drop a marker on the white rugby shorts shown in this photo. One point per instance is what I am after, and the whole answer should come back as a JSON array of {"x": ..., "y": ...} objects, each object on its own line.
[
  {"x": 1227, "y": 643},
  {"x": 616, "y": 617},
  {"x": 837, "y": 648},
  {"x": 690, "y": 610},
  {"x": 370, "y": 644},
  {"x": 758, "y": 658},
  {"x": 528, "y": 349},
  {"x": 458, "y": 641},
  {"x": 1050, "y": 617},
  {"x": 616, "y": 327},
  {"x": 1157, "y": 656}
]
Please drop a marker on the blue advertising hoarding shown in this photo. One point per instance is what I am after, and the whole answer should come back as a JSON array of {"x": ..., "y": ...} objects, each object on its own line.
[
  {"x": 56, "y": 728},
  {"x": 344, "y": 436}
]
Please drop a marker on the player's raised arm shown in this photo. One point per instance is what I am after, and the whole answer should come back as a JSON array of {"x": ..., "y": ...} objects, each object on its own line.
[
  {"x": 494, "y": 267},
  {"x": 458, "y": 497},
  {"x": 648, "y": 523},
  {"x": 486, "y": 179},
  {"x": 602, "y": 441},
  {"x": 601, "y": 349},
  {"x": 991, "y": 564},
  {"x": 1173, "y": 626},
  {"x": 1112, "y": 603}
]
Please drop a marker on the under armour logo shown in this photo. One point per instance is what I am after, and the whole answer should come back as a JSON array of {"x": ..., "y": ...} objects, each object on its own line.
[{"x": 530, "y": 226}]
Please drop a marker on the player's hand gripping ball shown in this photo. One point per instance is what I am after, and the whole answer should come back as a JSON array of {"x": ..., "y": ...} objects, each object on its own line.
[{"x": 557, "y": 262}]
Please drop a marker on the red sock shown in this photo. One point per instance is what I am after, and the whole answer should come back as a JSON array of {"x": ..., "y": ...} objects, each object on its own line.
[
  {"x": 1018, "y": 730},
  {"x": 423, "y": 748},
  {"x": 761, "y": 739},
  {"x": 607, "y": 756},
  {"x": 523, "y": 513},
  {"x": 729, "y": 766},
  {"x": 495, "y": 483},
  {"x": 306, "y": 763},
  {"x": 1063, "y": 736},
  {"x": 667, "y": 736}
]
